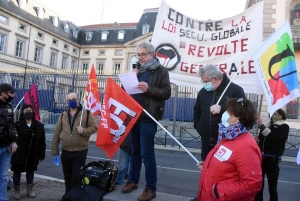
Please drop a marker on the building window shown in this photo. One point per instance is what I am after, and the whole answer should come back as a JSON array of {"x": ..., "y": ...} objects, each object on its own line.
[
  {"x": 118, "y": 52},
  {"x": 85, "y": 67},
  {"x": 20, "y": 48},
  {"x": 3, "y": 19},
  {"x": 117, "y": 68},
  {"x": 100, "y": 67},
  {"x": 22, "y": 27},
  {"x": 22, "y": 4},
  {"x": 66, "y": 47},
  {"x": 55, "y": 42},
  {"x": 66, "y": 27},
  {"x": 88, "y": 36},
  {"x": 16, "y": 83},
  {"x": 75, "y": 32},
  {"x": 121, "y": 35},
  {"x": 86, "y": 52},
  {"x": 40, "y": 35},
  {"x": 75, "y": 51},
  {"x": 40, "y": 12},
  {"x": 1, "y": 80},
  {"x": 101, "y": 53},
  {"x": 64, "y": 62},
  {"x": 2, "y": 42},
  {"x": 38, "y": 55},
  {"x": 55, "y": 20},
  {"x": 146, "y": 28},
  {"x": 53, "y": 59},
  {"x": 73, "y": 64},
  {"x": 104, "y": 35}
]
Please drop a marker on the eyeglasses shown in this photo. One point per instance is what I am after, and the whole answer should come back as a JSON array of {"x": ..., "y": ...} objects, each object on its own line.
[
  {"x": 141, "y": 54},
  {"x": 205, "y": 82},
  {"x": 240, "y": 100},
  {"x": 73, "y": 99}
]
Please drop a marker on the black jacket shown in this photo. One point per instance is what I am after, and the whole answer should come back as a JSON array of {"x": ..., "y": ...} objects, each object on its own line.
[
  {"x": 159, "y": 90},
  {"x": 6, "y": 110},
  {"x": 23, "y": 153},
  {"x": 272, "y": 137},
  {"x": 206, "y": 123}
]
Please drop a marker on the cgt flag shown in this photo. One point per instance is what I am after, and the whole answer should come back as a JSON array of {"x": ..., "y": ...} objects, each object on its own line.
[
  {"x": 31, "y": 98},
  {"x": 275, "y": 65},
  {"x": 119, "y": 113},
  {"x": 92, "y": 97}
]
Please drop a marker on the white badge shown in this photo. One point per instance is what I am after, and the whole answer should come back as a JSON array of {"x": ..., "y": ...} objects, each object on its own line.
[{"x": 223, "y": 153}]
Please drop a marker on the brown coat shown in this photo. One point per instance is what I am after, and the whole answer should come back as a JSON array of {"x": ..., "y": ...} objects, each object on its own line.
[{"x": 68, "y": 135}]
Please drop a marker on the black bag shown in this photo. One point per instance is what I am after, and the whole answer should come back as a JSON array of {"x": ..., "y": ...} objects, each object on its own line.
[
  {"x": 85, "y": 193},
  {"x": 101, "y": 174}
]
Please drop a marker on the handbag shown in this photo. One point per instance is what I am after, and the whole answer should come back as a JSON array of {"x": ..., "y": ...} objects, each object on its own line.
[{"x": 101, "y": 174}]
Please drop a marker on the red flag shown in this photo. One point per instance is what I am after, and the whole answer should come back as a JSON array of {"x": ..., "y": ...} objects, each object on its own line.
[
  {"x": 31, "y": 98},
  {"x": 92, "y": 97},
  {"x": 119, "y": 113}
]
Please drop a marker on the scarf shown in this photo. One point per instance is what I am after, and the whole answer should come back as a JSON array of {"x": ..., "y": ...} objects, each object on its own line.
[
  {"x": 231, "y": 131},
  {"x": 152, "y": 64}
]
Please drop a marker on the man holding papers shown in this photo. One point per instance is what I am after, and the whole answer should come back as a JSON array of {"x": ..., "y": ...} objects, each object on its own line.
[{"x": 153, "y": 81}]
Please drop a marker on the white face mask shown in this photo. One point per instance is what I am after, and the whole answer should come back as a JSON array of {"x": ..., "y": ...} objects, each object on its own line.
[{"x": 224, "y": 119}]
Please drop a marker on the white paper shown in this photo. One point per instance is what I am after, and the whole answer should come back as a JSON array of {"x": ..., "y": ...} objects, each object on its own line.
[
  {"x": 298, "y": 157},
  {"x": 130, "y": 82}
]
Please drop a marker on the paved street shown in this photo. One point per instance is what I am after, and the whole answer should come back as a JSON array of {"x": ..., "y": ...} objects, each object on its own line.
[{"x": 178, "y": 174}]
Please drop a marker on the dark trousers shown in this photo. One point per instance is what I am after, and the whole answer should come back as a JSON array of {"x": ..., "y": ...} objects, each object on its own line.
[
  {"x": 72, "y": 161},
  {"x": 205, "y": 149},
  {"x": 17, "y": 178},
  {"x": 270, "y": 167}
]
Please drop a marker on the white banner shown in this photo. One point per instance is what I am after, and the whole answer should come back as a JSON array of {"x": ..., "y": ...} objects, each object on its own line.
[{"x": 184, "y": 45}]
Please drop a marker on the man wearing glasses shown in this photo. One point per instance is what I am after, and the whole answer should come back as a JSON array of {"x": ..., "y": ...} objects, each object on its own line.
[
  {"x": 155, "y": 83},
  {"x": 8, "y": 137},
  {"x": 75, "y": 140},
  {"x": 207, "y": 114}
]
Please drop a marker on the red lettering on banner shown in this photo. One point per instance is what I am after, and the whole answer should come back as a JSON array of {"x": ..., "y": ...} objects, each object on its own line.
[
  {"x": 191, "y": 50},
  {"x": 219, "y": 50},
  {"x": 171, "y": 28},
  {"x": 210, "y": 53},
  {"x": 223, "y": 68},
  {"x": 243, "y": 44},
  {"x": 243, "y": 19},
  {"x": 200, "y": 51},
  {"x": 251, "y": 66}
]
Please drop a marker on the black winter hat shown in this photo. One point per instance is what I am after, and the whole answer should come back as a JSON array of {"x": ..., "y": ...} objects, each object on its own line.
[{"x": 4, "y": 87}]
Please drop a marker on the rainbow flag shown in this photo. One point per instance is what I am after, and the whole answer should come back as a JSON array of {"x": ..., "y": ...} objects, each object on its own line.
[{"x": 275, "y": 65}]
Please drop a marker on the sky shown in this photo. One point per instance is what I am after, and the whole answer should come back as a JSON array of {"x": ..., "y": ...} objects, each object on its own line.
[{"x": 87, "y": 12}]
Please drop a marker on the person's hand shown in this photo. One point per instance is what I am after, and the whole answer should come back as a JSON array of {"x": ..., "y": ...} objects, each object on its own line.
[
  {"x": 215, "y": 109},
  {"x": 136, "y": 71},
  {"x": 79, "y": 129},
  {"x": 259, "y": 121},
  {"x": 200, "y": 165},
  {"x": 143, "y": 86},
  {"x": 13, "y": 147}
]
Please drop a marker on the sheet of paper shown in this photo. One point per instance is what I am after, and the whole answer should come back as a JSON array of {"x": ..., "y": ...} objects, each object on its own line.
[
  {"x": 298, "y": 157},
  {"x": 130, "y": 82}
]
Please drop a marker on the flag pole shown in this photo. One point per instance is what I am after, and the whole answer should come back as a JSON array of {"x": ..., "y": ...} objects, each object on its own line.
[
  {"x": 229, "y": 84},
  {"x": 171, "y": 136},
  {"x": 81, "y": 115},
  {"x": 18, "y": 104}
]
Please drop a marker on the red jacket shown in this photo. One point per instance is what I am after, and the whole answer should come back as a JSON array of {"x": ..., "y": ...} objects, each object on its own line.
[{"x": 238, "y": 176}]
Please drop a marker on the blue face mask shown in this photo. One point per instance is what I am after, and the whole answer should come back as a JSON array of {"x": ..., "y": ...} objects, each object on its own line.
[
  {"x": 224, "y": 120},
  {"x": 72, "y": 103},
  {"x": 208, "y": 86}
]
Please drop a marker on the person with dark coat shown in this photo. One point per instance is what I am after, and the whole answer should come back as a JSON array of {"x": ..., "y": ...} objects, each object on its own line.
[
  {"x": 272, "y": 138},
  {"x": 207, "y": 113},
  {"x": 8, "y": 136},
  {"x": 31, "y": 151}
]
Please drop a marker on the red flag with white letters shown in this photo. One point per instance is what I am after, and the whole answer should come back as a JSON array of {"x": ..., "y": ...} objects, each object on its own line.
[
  {"x": 31, "y": 98},
  {"x": 92, "y": 96},
  {"x": 118, "y": 115}
]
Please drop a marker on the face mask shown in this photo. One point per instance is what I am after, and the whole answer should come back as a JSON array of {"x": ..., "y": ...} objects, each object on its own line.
[
  {"x": 9, "y": 99},
  {"x": 28, "y": 115},
  {"x": 276, "y": 118},
  {"x": 224, "y": 119},
  {"x": 208, "y": 86},
  {"x": 72, "y": 103}
]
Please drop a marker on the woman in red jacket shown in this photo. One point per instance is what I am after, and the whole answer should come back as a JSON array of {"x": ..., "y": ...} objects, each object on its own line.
[{"x": 232, "y": 169}]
